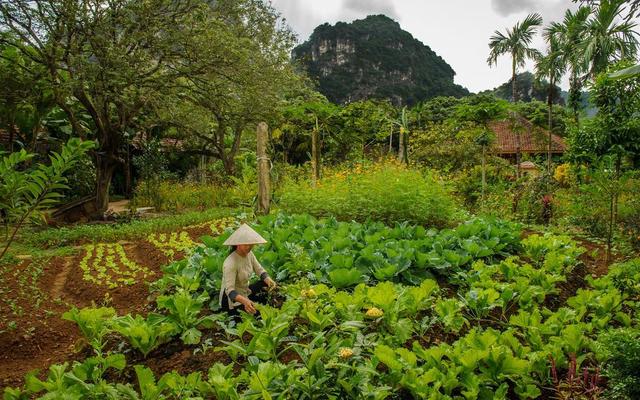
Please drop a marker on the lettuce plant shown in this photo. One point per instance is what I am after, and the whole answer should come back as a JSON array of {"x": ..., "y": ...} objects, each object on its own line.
[
  {"x": 94, "y": 323},
  {"x": 145, "y": 334},
  {"x": 184, "y": 312}
]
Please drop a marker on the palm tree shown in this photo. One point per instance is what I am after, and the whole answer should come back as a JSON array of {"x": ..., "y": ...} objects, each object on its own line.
[
  {"x": 570, "y": 33},
  {"x": 551, "y": 66},
  {"x": 609, "y": 36},
  {"x": 517, "y": 43}
]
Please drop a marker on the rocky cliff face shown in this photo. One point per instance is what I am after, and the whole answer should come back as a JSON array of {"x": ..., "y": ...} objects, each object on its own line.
[{"x": 374, "y": 58}]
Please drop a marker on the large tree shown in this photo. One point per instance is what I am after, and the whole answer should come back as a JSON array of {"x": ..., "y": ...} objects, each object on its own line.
[
  {"x": 516, "y": 42},
  {"x": 570, "y": 34},
  {"x": 552, "y": 67},
  {"x": 121, "y": 59},
  {"x": 25, "y": 98},
  {"x": 610, "y": 36},
  {"x": 217, "y": 108}
]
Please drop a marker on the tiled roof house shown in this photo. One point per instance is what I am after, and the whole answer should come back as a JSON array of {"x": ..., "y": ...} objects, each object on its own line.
[{"x": 533, "y": 139}]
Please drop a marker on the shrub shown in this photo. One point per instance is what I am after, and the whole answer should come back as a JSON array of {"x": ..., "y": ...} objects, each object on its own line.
[
  {"x": 583, "y": 206},
  {"x": 468, "y": 183},
  {"x": 620, "y": 351},
  {"x": 385, "y": 192},
  {"x": 176, "y": 196},
  {"x": 629, "y": 214},
  {"x": 535, "y": 201}
]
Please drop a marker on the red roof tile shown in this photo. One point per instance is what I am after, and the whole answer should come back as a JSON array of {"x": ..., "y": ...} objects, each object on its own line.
[{"x": 532, "y": 138}]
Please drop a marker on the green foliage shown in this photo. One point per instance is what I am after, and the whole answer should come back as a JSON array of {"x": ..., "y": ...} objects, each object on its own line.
[
  {"x": 345, "y": 254},
  {"x": 151, "y": 166},
  {"x": 614, "y": 130},
  {"x": 83, "y": 380},
  {"x": 384, "y": 193},
  {"x": 446, "y": 147},
  {"x": 94, "y": 323},
  {"x": 25, "y": 192},
  {"x": 69, "y": 235},
  {"x": 145, "y": 334},
  {"x": 529, "y": 90},
  {"x": 181, "y": 197},
  {"x": 515, "y": 43},
  {"x": 619, "y": 349},
  {"x": 535, "y": 197},
  {"x": 375, "y": 340},
  {"x": 184, "y": 312}
]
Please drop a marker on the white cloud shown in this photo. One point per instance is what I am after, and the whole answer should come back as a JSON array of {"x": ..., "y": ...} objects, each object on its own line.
[
  {"x": 551, "y": 10},
  {"x": 508, "y": 7},
  {"x": 363, "y": 8}
]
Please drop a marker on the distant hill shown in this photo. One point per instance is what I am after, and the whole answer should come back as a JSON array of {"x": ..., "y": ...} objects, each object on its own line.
[
  {"x": 374, "y": 58},
  {"x": 527, "y": 89}
]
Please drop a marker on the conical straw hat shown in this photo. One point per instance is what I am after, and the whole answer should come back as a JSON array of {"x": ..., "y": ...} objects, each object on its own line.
[{"x": 244, "y": 235}]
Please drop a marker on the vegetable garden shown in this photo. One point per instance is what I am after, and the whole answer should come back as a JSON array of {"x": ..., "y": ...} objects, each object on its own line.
[
  {"x": 485, "y": 246},
  {"x": 365, "y": 310}
]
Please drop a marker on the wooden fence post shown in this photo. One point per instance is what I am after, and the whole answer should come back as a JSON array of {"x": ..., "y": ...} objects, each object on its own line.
[
  {"x": 264, "y": 184},
  {"x": 315, "y": 156}
]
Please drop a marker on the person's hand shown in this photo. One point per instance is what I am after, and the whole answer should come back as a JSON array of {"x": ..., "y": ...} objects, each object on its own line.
[
  {"x": 249, "y": 307},
  {"x": 270, "y": 283}
]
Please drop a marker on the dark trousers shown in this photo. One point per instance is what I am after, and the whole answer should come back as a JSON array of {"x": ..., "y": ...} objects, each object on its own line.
[{"x": 258, "y": 295}]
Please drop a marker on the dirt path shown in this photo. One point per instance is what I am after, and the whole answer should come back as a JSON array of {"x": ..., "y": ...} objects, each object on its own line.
[
  {"x": 61, "y": 279},
  {"x": 119, "y": 206}
]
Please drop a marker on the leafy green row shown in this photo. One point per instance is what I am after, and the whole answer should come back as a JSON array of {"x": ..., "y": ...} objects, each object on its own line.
[
  {"x": 183, "y": 316},
  {"x": 345, "y": 254},
  {"x": 359, "y": 340}
]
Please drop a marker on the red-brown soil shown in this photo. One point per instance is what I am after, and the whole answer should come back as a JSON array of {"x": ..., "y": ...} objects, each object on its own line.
[{"x": 41, "y": 337}]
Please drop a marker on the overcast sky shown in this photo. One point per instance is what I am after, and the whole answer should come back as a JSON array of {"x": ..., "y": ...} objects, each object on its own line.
[{"x": 457, "y": 30}]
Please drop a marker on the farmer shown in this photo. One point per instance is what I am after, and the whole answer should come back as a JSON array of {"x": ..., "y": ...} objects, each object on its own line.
[{"x": 237, "y": 269}]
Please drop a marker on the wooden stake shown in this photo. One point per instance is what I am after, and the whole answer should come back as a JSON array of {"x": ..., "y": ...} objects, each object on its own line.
[
  {"x": 264, "y": 184},
  {"x": 315, "y": 156}
]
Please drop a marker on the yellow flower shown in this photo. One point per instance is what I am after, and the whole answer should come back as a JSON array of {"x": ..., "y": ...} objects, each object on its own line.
[
  {"x": 345, "y": 353},
  {"x": 310, "y": 293},
  {"x": 374, "y": 312}
]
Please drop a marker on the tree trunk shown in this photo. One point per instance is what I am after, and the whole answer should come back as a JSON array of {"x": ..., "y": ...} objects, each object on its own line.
[
  {"x": 315, "y": 156},
  {"x": 391, "y": 141},
  {"x": 402, "y": 146},
  {"x": 12, "y": 133},
  {"x": 105, "y": 166},
  {"x": 514, "y": 99},
  {"x": 127, "y": 174},
  {"x": 229, "y": 164},
  {"x": 612, "y": 201},
  {"x": 264, "y": 184},
  {"x": 550, "y": 101},
  {"x": 574, "y": 96}
]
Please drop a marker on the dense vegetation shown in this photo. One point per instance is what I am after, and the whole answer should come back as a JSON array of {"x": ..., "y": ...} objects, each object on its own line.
[
  {"x": 528, "y": 88},
  {"x": 415, "y": 256},
  {"x": 374, "y": 58}
]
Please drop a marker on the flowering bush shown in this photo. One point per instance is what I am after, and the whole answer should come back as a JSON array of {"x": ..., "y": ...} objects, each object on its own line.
[{"x": 387, "y": 192}]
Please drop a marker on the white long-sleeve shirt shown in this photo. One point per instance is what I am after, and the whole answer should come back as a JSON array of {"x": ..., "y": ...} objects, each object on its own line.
[{"x": 236, "y": 272}]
